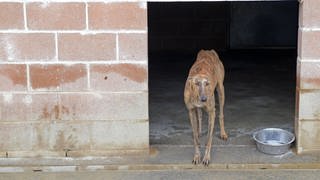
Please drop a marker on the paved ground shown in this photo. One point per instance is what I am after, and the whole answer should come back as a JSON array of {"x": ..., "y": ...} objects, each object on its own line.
[
  {"x": 171, "y": 175},
  {"x": 167, "y": 162}
]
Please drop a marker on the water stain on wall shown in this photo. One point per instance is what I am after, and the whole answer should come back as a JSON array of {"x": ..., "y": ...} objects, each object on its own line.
[
  {"x": 53, "y": 76},
  {"x": 315, "y": 82},
  {"x": 15, "y": 73},
  {"x": 133, "y": 72},
  {"x": 65, "y": 143},
  {"x": 54, "y": 113}
]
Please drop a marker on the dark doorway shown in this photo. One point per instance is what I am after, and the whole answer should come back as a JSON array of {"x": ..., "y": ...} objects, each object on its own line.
[{"x": 256, "y": 42}]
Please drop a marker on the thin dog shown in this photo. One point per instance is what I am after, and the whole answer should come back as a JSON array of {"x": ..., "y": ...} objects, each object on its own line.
[{"x": 205, "y": 75}]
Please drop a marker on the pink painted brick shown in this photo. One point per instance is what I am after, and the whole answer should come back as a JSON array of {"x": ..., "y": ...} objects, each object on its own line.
[
  {"x": 117, "y": 15},
  {"x": 105, "y": 106},
  {"x": 27, "y": 46},
  {"x": 11, "y": 16},
  {"x": 17, "y": 137},
  {"x": 56, "y": 16},
  {"x": 309, "y": 13},
  {"x": 13, "y": 77},
  {"x": 119, "y": 77},
  {"x": 58, "y": 77},
  {"x": 309, "y": 104},
  {"x": 120, "y": 135},
  {"x": 133, "y": 46},
  {"x": 309, "y": 75},
  {"x": 62, "y": 136},
  {"x": 13, "y": 107},
  {"x": 78, "y": 47},
  {"x": 309, "y": 44},
  {"x": 297, "y": 103},
  {"x": 96, "y": 136},
  {"x": 298, "y": 74},
  {"x": 309, "y": 136},
  {"x": 29, "y": 107},
  {"x": 43, "y": 107},
  {"x": 45, "y": 136}
]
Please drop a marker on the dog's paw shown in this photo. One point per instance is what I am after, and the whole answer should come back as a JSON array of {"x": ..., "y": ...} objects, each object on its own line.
[
  {"x": 224, "y": 136},
  {"x": 196, "y": 159},
  {"x": 206, "y": 161}
]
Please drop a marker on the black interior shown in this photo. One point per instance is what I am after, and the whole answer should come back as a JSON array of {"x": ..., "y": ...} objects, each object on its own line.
[{"x": 257, "y": 44}]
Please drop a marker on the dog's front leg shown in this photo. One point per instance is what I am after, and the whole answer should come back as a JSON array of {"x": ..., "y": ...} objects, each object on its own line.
[
  {"x": 206, "y": 158},
  {"x": 194, "y": 124}
]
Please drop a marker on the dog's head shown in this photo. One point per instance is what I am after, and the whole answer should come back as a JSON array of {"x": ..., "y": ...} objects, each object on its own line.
[{"x": 200, "y": 87}]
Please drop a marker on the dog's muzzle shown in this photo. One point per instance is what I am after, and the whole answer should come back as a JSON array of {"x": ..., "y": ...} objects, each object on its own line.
[{"x": 203, "y": 97}]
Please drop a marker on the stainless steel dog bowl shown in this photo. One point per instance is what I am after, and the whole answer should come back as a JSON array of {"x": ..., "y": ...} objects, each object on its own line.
[{"x": 273, "y": 140}]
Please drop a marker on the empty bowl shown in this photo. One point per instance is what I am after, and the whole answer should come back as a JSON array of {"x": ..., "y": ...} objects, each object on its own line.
[{"x": 273, "y": 141}]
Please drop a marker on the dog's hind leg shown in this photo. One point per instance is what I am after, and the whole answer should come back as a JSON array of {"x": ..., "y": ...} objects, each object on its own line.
[
  {"x": 220, "y": 90},
  {"x": 199, "y": 120},
  {"x": 194, "y": 124}
]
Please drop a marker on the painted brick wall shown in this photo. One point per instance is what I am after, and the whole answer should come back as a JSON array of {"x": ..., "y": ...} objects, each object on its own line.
[
  {"x": 73, "y": 77},
  {"x": 308, "y": 78}
]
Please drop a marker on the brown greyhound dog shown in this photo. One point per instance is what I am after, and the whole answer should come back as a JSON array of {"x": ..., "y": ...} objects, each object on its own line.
[{"x": 205, "y": 75}]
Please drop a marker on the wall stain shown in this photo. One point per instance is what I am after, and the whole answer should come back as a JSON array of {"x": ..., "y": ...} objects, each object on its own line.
[
  {"x": 316, "y": 114},
  {"x": 16, "y": 74},
  {"x": 63, "y": 143},
  {"x": 46, "y": 76},
  {"x": 55, "y": 113},
  {"x": 45, "y": 113},
  {"x": 41, "y": 143},
  {"x": 133, "y": 72},
  {"x": 313, "y": 81}
]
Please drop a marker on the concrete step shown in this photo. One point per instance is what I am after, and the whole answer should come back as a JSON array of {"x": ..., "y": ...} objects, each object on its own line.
[
  {"x": 169, "y": 175},
  {"x": 164, "y": 158}
]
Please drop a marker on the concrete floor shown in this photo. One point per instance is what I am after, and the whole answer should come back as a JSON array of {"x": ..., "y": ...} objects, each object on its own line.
[{"x": 260, "y": 93}]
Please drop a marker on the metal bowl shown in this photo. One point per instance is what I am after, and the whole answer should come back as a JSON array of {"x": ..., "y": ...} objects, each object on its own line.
[{"x": 273, "y": 140}]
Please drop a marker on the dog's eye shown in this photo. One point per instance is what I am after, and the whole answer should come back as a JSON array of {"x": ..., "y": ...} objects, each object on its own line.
[
  {"x": 206, "y": 83},
  {"x": 198, "y": 83}
]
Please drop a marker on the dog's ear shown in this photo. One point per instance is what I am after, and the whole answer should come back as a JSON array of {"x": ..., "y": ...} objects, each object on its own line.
[{"x": 191, "y": 84}]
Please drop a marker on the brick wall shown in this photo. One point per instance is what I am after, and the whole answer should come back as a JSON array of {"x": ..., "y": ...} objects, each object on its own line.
[
  {"x": 308, "y": 78},
  {"x": 73, "y": 77}
]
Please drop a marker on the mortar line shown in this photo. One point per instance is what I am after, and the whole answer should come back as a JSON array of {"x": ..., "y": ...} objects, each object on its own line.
[
  {"x": 117, "y": 47},
  {"x": 28, "y": 77},
  {"x": 299, "y": 59},
  {"x": 74, "y": 92},
  {"x": 76, "y": 121},
  {"x": 83, "y": 32},
  {"x": 56, "y": 46},
  {"x": 68, "y": 1},
  {"x": 88, "y": 76},
  {"x": 306, "y": 29},
  {"x": 70, "y": 62},
  {"x": 87, "y": 18},
  {"x": 25, "y": 16}
]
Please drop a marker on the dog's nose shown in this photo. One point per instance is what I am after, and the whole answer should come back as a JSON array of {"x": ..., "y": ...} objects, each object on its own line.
[{"x": 203, "y": 99}]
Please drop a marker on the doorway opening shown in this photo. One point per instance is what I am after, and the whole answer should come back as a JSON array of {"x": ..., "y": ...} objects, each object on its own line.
[{"x": 257, "y": 43}]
